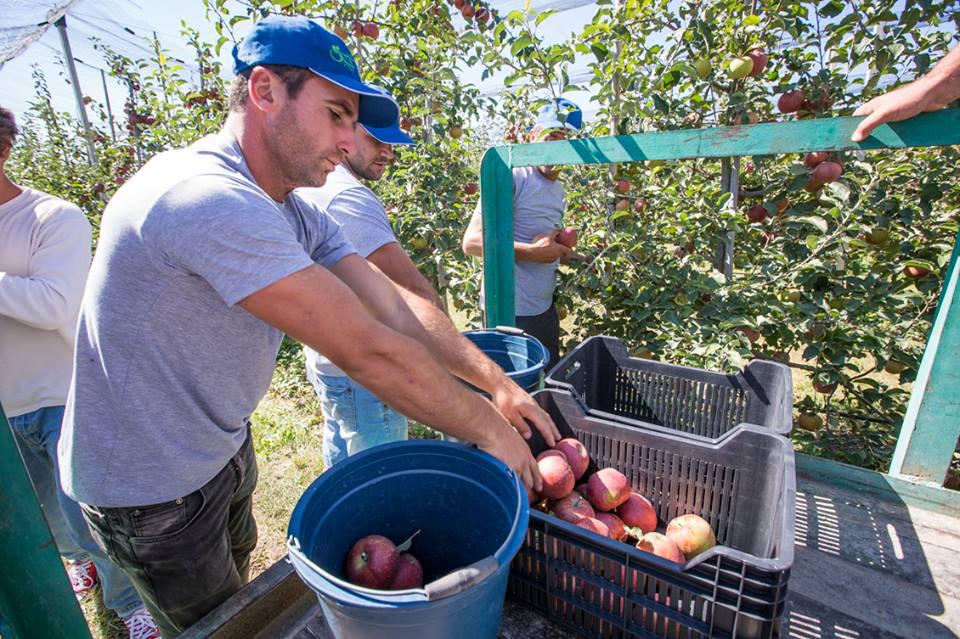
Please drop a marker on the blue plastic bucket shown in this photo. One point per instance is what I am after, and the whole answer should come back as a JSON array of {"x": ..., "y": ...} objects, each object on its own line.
[
  {"x": 471, "y": 511},
  {"x": 522, "y": 357}
]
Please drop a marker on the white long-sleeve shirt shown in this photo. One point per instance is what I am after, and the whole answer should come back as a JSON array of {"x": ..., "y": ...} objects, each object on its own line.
[{"x": 44, "y": 259}]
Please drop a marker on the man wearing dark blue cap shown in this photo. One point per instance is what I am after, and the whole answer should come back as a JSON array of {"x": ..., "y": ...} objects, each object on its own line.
[
  {"x": 206, "y": 258},
  {"x": 354, "y": 418}
]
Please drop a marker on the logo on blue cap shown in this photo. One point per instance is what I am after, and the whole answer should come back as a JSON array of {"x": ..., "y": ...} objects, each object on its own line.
[
  {"x": 300, "y": 42},
  {"x": 343, "y": 58}
]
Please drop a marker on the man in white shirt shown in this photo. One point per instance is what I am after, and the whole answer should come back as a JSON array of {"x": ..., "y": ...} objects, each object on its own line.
[
  {"x": 44, "y": 258},
  {"x": 354, "y": 418}
]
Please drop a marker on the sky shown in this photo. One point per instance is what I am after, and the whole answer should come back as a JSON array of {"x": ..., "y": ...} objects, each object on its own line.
[{"x": 128, "y": 27}]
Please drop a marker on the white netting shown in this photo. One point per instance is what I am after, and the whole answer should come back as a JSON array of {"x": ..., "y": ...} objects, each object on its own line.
[{"x": 25, "y": 22}]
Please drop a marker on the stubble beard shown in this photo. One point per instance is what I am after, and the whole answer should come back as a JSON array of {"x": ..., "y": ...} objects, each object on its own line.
[{"x": 292, "y": 154}]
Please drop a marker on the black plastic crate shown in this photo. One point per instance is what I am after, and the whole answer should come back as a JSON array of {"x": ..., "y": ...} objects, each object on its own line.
[
  {"x": 600, "y": 588},
  {"x": 702, "y": 404}
]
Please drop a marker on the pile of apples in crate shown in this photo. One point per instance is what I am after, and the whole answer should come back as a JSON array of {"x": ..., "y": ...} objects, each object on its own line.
[{"x": 604, "y": 504}]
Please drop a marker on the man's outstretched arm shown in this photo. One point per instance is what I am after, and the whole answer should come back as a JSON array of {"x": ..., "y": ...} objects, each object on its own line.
[
  {"x": 932, "y": 92},
  {"x": 317, "y": 307}
]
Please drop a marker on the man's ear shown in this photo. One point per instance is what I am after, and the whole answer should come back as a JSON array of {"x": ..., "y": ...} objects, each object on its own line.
[
  {"x": 266, "y": 90},
  {"x": 5, "y": 150}
]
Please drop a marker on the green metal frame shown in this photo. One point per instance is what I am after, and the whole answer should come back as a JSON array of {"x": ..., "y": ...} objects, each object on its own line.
[
  {"x": 36, "y": 600},
  {"x": 932, "y": 423}
]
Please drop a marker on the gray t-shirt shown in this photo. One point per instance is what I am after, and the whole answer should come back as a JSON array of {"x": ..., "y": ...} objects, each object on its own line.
[
  {"x": 538, "y": 205},
  {"x": 364, "y": 223},
  {"x": 168, "y": 368}
]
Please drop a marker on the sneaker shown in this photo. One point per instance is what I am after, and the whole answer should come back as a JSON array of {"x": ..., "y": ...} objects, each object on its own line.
[
  {"x": 140, "y": 625},
  {"x": 83, "y": 577}
]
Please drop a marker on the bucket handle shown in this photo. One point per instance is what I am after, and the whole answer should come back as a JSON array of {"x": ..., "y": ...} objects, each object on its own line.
[
  {"x": 446, "y": 586},
  {"x": 459, "y": 580},
  {"x": 511, "y": 330}
]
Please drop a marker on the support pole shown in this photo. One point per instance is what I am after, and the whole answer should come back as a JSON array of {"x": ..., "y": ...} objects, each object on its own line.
[
  {"x": 61, "y": 25},
  {"x": 106, "y": 99},
  {"x": 36, "y": 599},
  {"x": 931, "y": 425}
]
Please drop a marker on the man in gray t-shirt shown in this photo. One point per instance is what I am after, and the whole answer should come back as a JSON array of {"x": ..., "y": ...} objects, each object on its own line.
[
  {"x": 538, "y": 205},
  {"x": 354, "y": 418},
  {"x": 206, "y": 258}
]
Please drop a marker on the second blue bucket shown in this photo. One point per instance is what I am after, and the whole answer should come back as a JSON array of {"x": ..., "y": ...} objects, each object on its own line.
[
  {"x": 522, "y": 356},
  {"x": 472, "y": 514}
]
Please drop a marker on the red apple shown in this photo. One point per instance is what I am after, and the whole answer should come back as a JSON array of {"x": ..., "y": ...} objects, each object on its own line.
[
  {"x": 828, "y": 171},
  {"x": 471, "y": 188},
  {"x": 615, "y": 528},
  {"x": 357, "y": 28},
  {"x": 467, "y": 11},
  {"x": 815, "y": 158},
  {"x": 757, "y": 213},
  {"x": 825, "y": 389},
  {"x": 692, "y": 534},
  {"x": 638, "y": 512},
  {"x": 372, "y": 562},
  {"x": 750, "y": 334},
  {"x": 405, "y": 124},
  {"x": 622, "y": 204},
  {"x": 557, "y": 477},
  {"x": 409, "y": 573},
  {"x": 594, "y": 525},
  {"x": 915, "y": 272},
  {"x": 790, "y": 102},
  {"x": 550, "y": 452},
  {"x": 623, "y": 185},
  {"x": 482, "y": 15},
  {"x": 759, "y": 58},
  {"x": 607, "y": 488},
  {"x": 573, "y": 508},
  {"x": 575, "y": 452},
  {"x": 371, "y": 30},
  {"x": 661, "y": 546}
]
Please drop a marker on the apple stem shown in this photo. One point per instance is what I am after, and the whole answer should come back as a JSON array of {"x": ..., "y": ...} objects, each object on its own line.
[{"x": 405, "y": 546}]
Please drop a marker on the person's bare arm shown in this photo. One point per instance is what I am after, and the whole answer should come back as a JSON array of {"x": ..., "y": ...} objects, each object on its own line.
[
  {"x": 544, "y": 249},
  {"x": 458, "y": 354},
  {"x": 394, "y": 262},
  {"x": 466, "y": 361},
  {"x": 318, "y": 308},
  {"x": 932, "y": 92}
]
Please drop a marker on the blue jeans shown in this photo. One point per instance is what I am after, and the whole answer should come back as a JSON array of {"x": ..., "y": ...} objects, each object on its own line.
[
  {"x": 354, "y": 419},
  {"x": 37, "y": 434}
]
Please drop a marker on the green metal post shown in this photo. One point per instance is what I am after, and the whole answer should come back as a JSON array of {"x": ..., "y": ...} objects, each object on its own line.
[
  {"x": 924, "y": 449},
  {"x": 496, "y": 197},
  {"x": 932, "y": 424},
  {"x": 36, "y": 600}
]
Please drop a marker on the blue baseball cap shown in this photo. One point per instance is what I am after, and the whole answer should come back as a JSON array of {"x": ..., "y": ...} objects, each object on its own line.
[
  {"x": 392, "y": 134},
  {"x": 301, "y": 42},
  {"x": 560, "y": 113}
]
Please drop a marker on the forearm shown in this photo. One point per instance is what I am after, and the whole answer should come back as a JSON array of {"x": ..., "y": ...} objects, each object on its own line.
[
  {"x": 944, "y": 79},
  {"x": 34, "y": 301},
  {"x": 405, "y": 374},
  {"x": 458, "y": 354}
]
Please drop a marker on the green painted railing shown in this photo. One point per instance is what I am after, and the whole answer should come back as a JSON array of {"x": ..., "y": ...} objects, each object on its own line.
[
  {"x": 932, "y": 424},
  {"x": 36, "y": 600}
]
